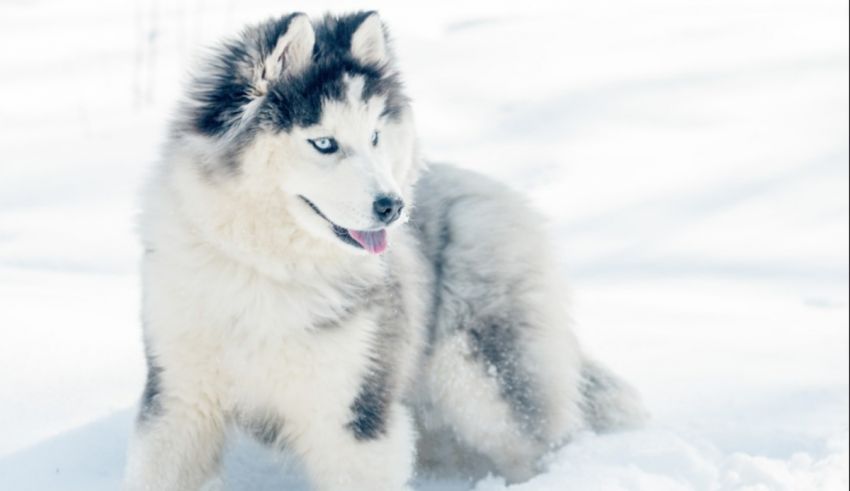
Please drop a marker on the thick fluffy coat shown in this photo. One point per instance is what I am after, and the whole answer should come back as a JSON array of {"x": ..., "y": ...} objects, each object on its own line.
[{"x": 306, "y": 279}]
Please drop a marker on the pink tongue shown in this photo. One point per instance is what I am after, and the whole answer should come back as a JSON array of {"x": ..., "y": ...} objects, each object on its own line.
[{"x": 374, "y": 242}]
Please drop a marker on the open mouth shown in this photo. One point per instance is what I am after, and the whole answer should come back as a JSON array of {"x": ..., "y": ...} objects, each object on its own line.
[{"x": 372, "y": 241}]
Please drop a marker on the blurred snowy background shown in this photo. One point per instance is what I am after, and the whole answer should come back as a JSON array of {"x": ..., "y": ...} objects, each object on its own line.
[{"x": 692, "y": 157}]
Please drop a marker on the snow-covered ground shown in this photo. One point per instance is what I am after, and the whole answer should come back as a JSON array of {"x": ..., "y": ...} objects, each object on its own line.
[{"x": 692, "y": 157}]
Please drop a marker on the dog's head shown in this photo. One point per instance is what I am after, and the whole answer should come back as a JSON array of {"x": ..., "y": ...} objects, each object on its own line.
[{"x": 316, "y": 112}]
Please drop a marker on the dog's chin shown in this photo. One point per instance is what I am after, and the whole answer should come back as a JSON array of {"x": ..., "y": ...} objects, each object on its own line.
[{"x": 368, "y": 241}]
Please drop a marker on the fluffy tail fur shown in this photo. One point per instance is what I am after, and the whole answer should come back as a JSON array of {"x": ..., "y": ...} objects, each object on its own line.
[{"x": 609, "y": 403}]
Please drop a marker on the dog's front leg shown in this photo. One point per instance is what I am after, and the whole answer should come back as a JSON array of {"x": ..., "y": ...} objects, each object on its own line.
[
  {"x": 176, "y": 446},
  {"x": 377, "y": 455}
]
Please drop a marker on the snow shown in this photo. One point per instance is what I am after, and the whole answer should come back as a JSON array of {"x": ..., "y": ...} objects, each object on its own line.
[{"x": 691, "y": 156}]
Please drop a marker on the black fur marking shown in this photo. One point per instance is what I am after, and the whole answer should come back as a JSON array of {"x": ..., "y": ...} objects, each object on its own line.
[
  {"x": 335, "y": 33},
  {"x": 150, "y": 406},
  {"x": 495, "y": 343},
  {"x": 370, "y": 407},
  {"x": 298, "y": 101}
]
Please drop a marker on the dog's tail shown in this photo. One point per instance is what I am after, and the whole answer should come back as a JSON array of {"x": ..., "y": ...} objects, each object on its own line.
[{"x": 608, "y": 402}]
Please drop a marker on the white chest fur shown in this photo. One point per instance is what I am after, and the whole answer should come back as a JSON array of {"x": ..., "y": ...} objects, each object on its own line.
[{"x": 255, "y": 340}]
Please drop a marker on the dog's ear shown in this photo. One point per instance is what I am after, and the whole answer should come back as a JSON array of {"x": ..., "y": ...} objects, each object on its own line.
[
  {"x": 369, "y": 42},
  {"x": 292, "y": 52}
]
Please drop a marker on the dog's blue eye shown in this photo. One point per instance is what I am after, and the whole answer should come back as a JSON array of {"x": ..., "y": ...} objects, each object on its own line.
[
  {"x": 324, "y": 145},
  {"x": 375, "y": 136}
]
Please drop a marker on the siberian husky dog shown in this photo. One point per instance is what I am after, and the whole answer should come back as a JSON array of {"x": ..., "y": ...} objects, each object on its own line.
[{"x": 308, "y": 280}]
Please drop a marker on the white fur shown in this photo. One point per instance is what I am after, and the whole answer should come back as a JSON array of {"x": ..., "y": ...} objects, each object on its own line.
[{"x": 239, "y": 272}]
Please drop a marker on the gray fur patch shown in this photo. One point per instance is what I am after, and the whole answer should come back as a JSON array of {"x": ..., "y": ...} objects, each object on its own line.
[
  {"x": 151, "y": 407},
  {"x": 445, "y": 238},
  {"x": 443, "y": 241},
  {"x": 370, "y": 407},
  {"x": 360, "y": 300},
  {"x": 344, "y": 315},
  {"x": 591, "y": 385},
  {"x": 608, "y": 403},
  {"x": 267, "y": 429},
  {"x": 495, "y": 343}
]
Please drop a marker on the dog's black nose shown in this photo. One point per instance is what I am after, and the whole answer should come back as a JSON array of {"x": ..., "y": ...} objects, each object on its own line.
[{"x": 388, "y": 208}]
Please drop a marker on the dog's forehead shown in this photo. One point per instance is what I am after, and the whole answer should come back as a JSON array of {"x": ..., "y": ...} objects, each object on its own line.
[{"x": 356, "y": 104}]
